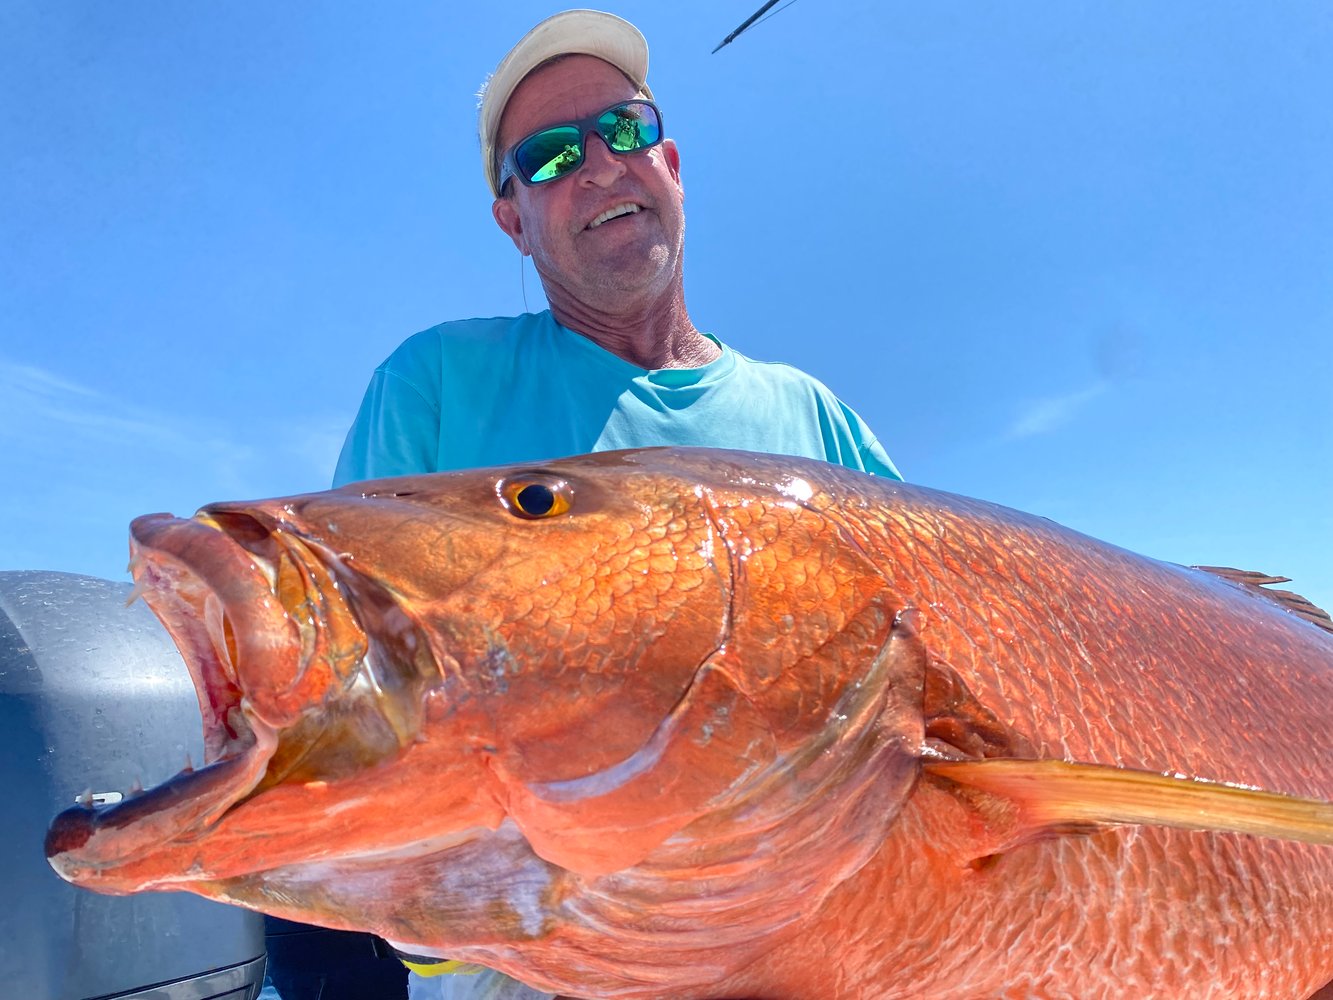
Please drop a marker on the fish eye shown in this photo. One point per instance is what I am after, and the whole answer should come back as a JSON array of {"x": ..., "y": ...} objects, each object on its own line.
[{"x": 536, "y": 497}]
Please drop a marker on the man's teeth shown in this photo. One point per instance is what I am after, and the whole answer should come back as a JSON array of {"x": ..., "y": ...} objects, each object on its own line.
[{"x": 612, "y": 213}]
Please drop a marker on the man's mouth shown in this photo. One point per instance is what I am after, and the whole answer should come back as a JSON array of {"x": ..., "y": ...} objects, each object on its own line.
[{"x": 628, "y": 208}]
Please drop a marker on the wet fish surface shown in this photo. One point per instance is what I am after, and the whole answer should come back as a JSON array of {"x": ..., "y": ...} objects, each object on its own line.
[{"x": 694, "y": 723}]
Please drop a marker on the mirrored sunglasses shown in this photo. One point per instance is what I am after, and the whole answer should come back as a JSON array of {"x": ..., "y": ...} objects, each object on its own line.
[{"x": 552, "y": 153}]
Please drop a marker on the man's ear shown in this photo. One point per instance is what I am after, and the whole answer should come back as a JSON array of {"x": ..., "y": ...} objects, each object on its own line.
[
  {"x": 672, "y": 156},
  {"x": 507, "y": 218}
]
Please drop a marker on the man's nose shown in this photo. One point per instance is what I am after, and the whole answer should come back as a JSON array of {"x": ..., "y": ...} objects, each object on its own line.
[{"x": 600, "y": 166}]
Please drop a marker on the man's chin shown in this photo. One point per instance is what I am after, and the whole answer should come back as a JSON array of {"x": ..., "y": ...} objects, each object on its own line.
[{"x": 627, "y": 270}]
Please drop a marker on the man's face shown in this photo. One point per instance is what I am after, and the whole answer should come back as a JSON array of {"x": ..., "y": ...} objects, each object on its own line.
[{"x": 631, "y": 256}]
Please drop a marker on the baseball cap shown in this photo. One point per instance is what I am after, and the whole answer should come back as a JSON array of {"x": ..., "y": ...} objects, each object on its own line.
[{"x": 571, "y": 32}]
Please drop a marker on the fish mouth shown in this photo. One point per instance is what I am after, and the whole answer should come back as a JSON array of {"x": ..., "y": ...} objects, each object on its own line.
[
  {"x": 283, "y": 672},
  {"x": 216, "y": 598}
]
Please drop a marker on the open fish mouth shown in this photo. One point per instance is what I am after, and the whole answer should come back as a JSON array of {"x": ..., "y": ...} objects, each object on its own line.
[
  {"x": 219, "y": 601},
  {"x": 266, "y": 635}
]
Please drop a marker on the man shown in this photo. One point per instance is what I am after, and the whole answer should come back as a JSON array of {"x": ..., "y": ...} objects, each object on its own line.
[
  {"x": 586, "y": 183},
  {"x": 616, "y": 362}
]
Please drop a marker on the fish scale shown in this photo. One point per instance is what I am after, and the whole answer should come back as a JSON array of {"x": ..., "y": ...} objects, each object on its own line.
[
  {"x": 727, "y": 725},
  {"x": 1047, "y": 630}
]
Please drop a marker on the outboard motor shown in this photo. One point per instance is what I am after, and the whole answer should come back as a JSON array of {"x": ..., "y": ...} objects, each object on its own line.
[{"x": 93, "y": 696}]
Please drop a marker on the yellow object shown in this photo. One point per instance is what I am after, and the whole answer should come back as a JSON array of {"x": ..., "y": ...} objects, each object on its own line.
[{"x": 446, "y": 967}]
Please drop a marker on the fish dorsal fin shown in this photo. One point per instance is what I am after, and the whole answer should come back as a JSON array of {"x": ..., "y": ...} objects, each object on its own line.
[
  {"x": 1057, "y": 795},
  {"x": 1257, "y": 583}
]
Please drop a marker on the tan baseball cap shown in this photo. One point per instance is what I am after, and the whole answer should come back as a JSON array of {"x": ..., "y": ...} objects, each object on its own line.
[{"x": 571, "y": 32}]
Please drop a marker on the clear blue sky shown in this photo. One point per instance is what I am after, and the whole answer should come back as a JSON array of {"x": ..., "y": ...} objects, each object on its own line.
[{"x": 1075, "y": 257}]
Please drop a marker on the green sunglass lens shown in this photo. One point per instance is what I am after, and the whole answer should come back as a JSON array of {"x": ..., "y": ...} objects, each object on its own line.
[
  {"x": 550, "y": 154},
  {"x": 557, "y": 151},
  {"x": 630, "y": 127}
]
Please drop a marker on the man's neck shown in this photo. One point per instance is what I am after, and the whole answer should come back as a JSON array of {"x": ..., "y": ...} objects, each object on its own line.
[{"x": 661, "y": 336}]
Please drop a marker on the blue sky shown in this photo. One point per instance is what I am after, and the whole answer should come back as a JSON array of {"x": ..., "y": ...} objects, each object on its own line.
[{"x": 1074, "y": 257}]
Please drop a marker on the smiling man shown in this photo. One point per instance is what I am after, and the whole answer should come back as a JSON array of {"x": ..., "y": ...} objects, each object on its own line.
[{"x": 586, "y": 183}]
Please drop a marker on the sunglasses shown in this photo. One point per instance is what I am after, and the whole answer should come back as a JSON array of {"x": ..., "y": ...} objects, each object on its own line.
[{"x": 551, "y": 153}]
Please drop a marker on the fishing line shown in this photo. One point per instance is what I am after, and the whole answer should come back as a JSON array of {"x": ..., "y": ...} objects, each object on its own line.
[{"x": 774, "y": 14}]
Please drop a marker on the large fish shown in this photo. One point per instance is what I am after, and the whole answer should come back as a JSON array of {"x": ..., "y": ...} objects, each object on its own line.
[{"x": 696, "y": 723}]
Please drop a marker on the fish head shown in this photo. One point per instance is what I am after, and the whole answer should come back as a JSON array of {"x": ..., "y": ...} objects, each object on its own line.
[{"x": 650, "y": 662}]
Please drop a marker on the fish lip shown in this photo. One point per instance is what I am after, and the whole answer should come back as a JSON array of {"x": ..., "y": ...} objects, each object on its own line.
[
  {"x": 272, "y": 623},
  {"x": 216, "y": 600},
  {"x": 99, "y": 845}
]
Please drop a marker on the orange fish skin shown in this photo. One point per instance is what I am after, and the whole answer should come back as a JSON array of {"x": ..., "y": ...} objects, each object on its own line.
[
  {"x": 1091, "y": 653},
  {"x": 668, "y": 742}
]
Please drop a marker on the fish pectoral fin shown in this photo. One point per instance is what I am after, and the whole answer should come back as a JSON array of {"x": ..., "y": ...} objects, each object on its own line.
[{"x": 1057, "y": 796}]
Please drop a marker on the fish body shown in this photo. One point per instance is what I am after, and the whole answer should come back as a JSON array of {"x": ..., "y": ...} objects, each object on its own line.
[{"x": 693, "y": 723}]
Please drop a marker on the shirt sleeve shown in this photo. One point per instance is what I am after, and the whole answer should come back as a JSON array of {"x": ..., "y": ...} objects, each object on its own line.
[
  {"x": 396, "y": 432},
  {"x": 869, "y": 452},
  {"x": 876, "y": 461}
]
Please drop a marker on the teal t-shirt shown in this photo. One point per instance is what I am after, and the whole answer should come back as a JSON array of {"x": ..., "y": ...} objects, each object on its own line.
[{"x": 525, "y": 389}]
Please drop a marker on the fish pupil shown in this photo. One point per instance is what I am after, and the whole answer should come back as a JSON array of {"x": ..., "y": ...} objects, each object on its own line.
[{"x": 535, "y": 499}]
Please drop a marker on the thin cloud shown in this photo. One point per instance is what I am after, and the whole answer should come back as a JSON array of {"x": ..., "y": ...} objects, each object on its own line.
[
  {"x": 37, "y": 405},
  {"x": 43, "y": 413},
  {"x": 38, "y": 382},
  {"x": 1043, "y": 416},
  {"x": 82, "y": 463}
]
